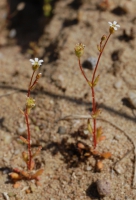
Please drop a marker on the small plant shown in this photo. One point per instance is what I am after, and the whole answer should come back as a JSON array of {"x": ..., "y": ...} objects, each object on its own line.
[
  {"x": 96, "y": 132},
  {"x": 28, "y": 157}
]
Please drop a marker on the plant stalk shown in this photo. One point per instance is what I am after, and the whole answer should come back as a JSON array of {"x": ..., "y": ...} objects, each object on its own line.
[
  {"x": 92, "y": 89},
  {"x": 29, "y": 164},
  {"x": 29, "y": 141}
]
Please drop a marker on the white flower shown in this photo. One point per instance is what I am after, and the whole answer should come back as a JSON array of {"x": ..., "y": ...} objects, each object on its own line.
[
  {"x": 36, "y": 62},
  {"x": 114, "y": 25}
]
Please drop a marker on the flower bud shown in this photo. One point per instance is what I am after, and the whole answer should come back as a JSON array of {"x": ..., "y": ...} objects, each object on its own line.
[
  {"x": 111, "y": 29},
  {"x": 38, "y": 75},
  {"x": 79, "y": 49},
  {"x": 25, "y": 156},
  {"x": 103, "y": 37}
]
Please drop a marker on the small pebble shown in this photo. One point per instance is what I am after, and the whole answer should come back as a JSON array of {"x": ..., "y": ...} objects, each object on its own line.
[
  {"x": 86, "y": 132},
  {"x": 33, "y": 188},
  {"x": 118, "y": 84},
  {"x": 103, "y": 187},
  {"x": 88, "y": 168},
  {"x": 80, "y": 145},
  {"x": 20, "y": 6},
  {"x": 21, "y": 130},
  {"x": 6, "y": 171},
  {"x": 132, "y": 98},
  {"x": 16, "y": 152},
  {"x": 61, "y": 130},
  {"x": 12, "y": 33},
  {"x": 90, "y": 63},
  {"x": 7, "y": 139},
  {"x": 119, "y": 169},
  {"x": 117, "y": 137}
]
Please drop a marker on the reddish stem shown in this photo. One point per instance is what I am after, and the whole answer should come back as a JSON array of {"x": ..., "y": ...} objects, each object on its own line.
[
  {"x": 28, "y": 126},
  {"x": 92, "y": 89},
  {"x": 79, "y": 62},
  {"x": 29, "y": 141},
  {"x": 100, "y": 57},
  {"x": 29, "y": 88},
  {"x": 33, "y": 84}
]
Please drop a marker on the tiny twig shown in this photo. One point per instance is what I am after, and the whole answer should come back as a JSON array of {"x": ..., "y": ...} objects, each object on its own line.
[
  {"x": 123, "y": 158},
  {"x": 70, "y": 117},
  {"x": 5, "y": 194}
]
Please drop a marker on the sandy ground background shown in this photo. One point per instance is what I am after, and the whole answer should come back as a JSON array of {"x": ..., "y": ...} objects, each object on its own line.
[{"x": 62, "y": 91}]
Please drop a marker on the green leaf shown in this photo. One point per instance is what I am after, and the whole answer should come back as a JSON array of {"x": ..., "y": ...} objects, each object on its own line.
[
  {"x": 96, "y": 81},
  {"x": 89, "y": 128}
]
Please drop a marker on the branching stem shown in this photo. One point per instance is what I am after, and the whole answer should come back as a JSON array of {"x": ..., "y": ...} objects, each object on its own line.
[
  {"x": 92, "y": 88},
  {"x": 29, "y": 88}
]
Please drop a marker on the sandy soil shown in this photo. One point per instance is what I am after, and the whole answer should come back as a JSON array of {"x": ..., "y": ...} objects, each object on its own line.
[{"x": 62, "y": 91}]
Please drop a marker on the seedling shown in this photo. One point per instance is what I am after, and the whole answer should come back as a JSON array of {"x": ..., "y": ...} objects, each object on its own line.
[
  {"x": 28, "y": 156},
  {"x": 95, "y": 131}
]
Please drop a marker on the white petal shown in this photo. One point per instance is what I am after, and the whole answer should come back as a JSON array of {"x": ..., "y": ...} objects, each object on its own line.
[
  {"x": 36, "y": 59},
  {"x": 31, "y": 60},
  {"x": 115, "y": 28},
  {"x": 117, "y": 25},
  {"x": 110, "y": 23},
  {"x": 114, "y": 23},
  {"x": 40, "y": 60}
]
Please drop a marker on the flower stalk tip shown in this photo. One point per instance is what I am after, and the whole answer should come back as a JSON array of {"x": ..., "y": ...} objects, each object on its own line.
[
  {"x": 36, "y": 63},
  {"x": 113, "y": 26}
]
